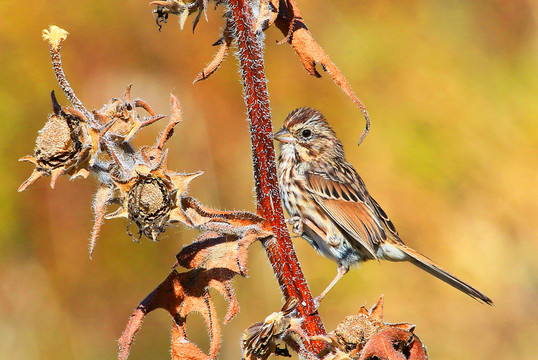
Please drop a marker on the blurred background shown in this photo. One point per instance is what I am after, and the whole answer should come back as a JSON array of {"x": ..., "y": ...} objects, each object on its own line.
[{"x": 452, "y": 90}]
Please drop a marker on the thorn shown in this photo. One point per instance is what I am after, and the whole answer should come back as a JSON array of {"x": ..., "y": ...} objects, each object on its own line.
[
  {"x": 127, "y": 95},
  {"x": 56, "y": 107}
]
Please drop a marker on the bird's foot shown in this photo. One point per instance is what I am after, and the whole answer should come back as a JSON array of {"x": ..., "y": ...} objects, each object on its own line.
[{"x": 297, "y": 224}]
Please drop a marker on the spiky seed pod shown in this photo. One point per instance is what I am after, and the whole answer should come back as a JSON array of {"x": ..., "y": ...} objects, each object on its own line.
[
  {"x": 58, "y": 141},
  {"x": 59, "y": 146},
  {"x": 149, "y": 204},
  {"x": 151, "y": 197},
  {"x": 354, "y": 332}
]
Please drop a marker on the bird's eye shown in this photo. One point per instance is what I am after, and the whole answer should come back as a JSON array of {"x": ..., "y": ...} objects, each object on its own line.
[
  {"x": 128, "y": 106},
  {"x": 306, "y": 133}
]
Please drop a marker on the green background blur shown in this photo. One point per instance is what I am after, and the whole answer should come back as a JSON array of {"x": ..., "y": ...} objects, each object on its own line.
[{"x": 452, "y": 90}]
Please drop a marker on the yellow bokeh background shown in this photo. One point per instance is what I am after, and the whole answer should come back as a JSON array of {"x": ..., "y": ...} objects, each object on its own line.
[{"x": 452, "y": 90}]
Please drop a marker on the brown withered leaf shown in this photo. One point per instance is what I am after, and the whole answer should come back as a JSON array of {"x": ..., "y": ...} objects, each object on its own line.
[
  {"x": 394, "y": 344},
  {"x": 212, "y": 260},
  {"x": 212, "y": 250},
  {"x": 367, "y": 336},
  {"x": 180, "y": 294},
  {"x": 223, "y": 254}
]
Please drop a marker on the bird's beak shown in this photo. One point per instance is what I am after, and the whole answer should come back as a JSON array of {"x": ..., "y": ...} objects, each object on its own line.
[{"x": 284, "y": 136}]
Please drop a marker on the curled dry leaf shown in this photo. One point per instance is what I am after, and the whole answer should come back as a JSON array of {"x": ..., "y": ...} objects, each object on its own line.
[
  {"x": 262, "y": 339},
  {"x": 225, "y": 222},
  {"x": 224, "y": 44},
  {"x": 212, "y": 260},
  {"x": 180, "y": 294},
  {"x": 367, "y": 336}
]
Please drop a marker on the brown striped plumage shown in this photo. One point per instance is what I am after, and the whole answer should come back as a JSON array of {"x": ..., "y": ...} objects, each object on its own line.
[{"x": 330, "y": 207}]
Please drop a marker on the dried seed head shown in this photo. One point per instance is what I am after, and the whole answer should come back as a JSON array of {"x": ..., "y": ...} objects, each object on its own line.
[
  {"x": 59, "y": 146},
  {"x": 262, "y": 339},
  {"x": 151, "y": 198},
  {"x": 149, "y": 205},
  {"x": 57, "y": 141},
  {"x": 354, "y": 332}
]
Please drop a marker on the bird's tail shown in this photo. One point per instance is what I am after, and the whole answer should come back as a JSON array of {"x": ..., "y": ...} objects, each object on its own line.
[{"x": 431, "y": 267}]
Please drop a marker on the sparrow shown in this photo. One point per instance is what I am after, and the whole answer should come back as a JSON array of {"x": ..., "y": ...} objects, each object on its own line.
[{"x": 330, "y": 207}]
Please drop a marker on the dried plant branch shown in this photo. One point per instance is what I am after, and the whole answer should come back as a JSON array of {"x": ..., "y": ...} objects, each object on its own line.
[
  {"x": 77, "y": 142},
  {"x": 281, "y": 253}
]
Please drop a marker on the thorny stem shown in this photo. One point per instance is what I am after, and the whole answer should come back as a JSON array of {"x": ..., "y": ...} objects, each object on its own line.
[
  {"x": 62, "y": 81},
  {"x": 280, "y": 252}
]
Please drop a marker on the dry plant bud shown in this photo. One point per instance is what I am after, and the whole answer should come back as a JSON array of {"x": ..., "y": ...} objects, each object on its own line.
[
  {"x": 180, "y": 8},
  {"x": 125, "y": 118},
  {"x": 148, "y": 193},
  {"x": 61, "y": 146},
  {"x": 262, "y": 339},
  {"x": 365, "y": 336}
]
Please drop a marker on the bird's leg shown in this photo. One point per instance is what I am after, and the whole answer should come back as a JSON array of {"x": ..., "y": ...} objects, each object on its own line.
[
  {"x": 342, "y": 270},
  {"x": 297, "y": 224}
]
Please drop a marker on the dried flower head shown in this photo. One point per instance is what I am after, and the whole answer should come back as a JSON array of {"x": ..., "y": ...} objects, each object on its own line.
[
  {"x": 62, "y": 146},
  {"x": 54, "y": 35},
  {"x": 262, "y": 339},
  {"x": 151, "y": 196},
  {"x": 181, "y": 8},
  {"x": 355, "y": 331}
]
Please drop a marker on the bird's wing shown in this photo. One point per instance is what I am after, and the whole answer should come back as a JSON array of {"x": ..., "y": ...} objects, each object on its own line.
[
  {"x": 386, "y": 221},
  {"x": 347, "y": 202}
]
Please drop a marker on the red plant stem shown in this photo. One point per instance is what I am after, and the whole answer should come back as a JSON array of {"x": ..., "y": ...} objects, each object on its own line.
[{"x": 280, "y": 252}]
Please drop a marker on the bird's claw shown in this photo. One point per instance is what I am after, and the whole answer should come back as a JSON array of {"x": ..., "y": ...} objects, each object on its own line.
[{"x": 297, "y": 224}]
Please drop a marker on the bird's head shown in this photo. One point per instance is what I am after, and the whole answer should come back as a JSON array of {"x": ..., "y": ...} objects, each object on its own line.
[{"x": 307, "y": 133}]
